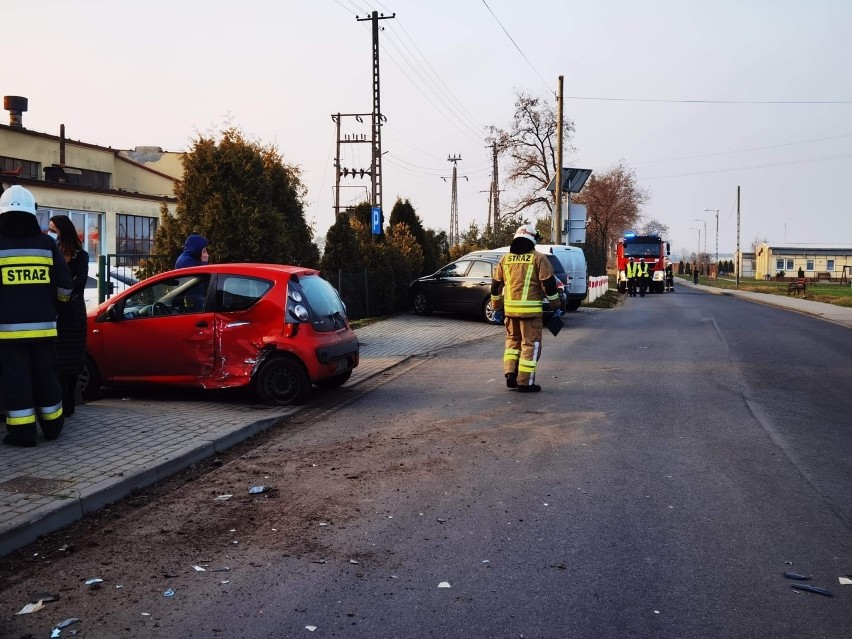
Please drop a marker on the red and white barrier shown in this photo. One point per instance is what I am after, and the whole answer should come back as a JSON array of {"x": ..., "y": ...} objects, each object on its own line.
[{"x": 597, "y": 286}]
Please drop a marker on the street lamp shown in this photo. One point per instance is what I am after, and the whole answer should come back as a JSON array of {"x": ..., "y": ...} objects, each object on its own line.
[
  {"x": 698, "y": 219},
  {"x": 716, "y": 211}
]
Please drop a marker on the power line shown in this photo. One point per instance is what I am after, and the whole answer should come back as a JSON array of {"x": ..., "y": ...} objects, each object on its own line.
[
  {"x": 517, "y": 47},
  {"x": 748, "y": 168},
  {"x": 756, "y": 148},
  {"x": 579, "y": 97}
]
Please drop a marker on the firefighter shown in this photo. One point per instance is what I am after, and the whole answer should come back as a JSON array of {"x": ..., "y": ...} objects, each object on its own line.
[
  {"x": 631, "y": 278},
  {"x": 33, "y": 278},
  {"x": 516, "y": 292},
  {"x": 642, "y": 274},
  {"x": 669, "y": 277}
]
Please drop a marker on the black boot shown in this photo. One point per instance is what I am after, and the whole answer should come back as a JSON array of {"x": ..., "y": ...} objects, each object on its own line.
[
  {"x": 530, "y": 388},
  {"x": 511, "y": 380}
]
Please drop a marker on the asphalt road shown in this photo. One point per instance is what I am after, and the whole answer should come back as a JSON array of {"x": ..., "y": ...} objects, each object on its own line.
[{"x": 686, "y": 451}]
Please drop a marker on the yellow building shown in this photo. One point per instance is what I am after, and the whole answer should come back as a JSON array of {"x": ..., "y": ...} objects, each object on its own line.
[
  {"x": 816, "y": 261},
  {"x": 113, "y": 197}
]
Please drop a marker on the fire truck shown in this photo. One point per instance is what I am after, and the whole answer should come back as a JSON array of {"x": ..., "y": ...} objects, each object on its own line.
[{"x": 650, "y": 247}]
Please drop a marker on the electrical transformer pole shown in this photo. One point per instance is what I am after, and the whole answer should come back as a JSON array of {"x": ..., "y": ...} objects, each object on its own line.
[
  {"x": 495, "y": 187},
  {"x": 454, "y": 205}
]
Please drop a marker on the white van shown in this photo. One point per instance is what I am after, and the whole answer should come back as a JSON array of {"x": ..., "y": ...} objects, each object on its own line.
[{"x": 574, "y": 261}]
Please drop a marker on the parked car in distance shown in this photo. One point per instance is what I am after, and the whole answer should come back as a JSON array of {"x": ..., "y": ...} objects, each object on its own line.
[
  {"x": 463, "y": 286},
  {"x": 279, "y": 329}
]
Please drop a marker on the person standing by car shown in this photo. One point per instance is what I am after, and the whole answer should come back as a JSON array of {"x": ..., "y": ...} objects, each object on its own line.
[
  {"x": 33, "y": 276},
  {"x": 71, "y": 321},
  {"x": 516, "y": 291},
  {"x": 194, "y": 252}
]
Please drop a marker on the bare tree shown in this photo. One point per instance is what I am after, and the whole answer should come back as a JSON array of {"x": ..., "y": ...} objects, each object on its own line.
[
  {"x": 613, "y": 200},
  {"x": 530, "y": 144},
  {"x": 654, "y": 227}
]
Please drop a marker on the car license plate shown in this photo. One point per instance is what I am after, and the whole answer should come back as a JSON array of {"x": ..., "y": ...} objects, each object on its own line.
[{"x": 341, "y": 366}]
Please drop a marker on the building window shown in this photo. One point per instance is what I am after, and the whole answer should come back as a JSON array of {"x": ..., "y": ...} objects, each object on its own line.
[
  {"x": 779, "y": 264},
  {"x": 135, "y": 234},
  {"x": 789, "y": 264},
  {"x": 809, "y": 266},
  {"x": 829, "y": 265},
  {"x": 88, "y": 225},
  {"x": 29, "y": 170}
]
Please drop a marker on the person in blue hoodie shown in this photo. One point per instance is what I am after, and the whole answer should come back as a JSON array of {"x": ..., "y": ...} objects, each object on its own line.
[{"x": 194, "y": 252}]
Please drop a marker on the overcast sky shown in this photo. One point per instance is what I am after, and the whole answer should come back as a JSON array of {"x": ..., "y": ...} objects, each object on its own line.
[{"x": 697, "y": 97}]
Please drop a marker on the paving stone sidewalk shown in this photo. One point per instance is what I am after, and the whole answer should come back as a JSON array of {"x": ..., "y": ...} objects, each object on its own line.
[{"x": 131, "y": 440}]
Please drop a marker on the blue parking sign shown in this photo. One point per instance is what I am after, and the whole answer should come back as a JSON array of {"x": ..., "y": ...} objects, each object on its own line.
[{"x": 377, "y": 220}]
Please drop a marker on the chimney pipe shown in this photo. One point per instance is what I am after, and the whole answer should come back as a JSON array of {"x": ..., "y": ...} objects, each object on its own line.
[
  {"x": 15, "y": 105},
  {"x": 61, "y": 145}
]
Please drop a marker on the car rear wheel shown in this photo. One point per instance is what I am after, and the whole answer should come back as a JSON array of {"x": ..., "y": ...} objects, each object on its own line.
[
  {"x": 573, "y": 305},
  {"x": 90, "y": 381},
  {"x": 421, "y": 303},
  {"x": 335, "y": 382},
  {"x": 488, "y": 311},
  {"x": 282, "y": 381}
]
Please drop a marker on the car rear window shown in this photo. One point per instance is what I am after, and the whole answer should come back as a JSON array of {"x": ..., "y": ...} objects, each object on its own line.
[
  {"x": 326, "y": 308},
  {"x": 239, "y": 292}
]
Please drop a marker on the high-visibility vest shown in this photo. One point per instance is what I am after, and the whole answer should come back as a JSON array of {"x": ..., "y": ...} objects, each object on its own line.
[
  {"x": 631, "y": 269},
  {"x": 642, "y": 269}
]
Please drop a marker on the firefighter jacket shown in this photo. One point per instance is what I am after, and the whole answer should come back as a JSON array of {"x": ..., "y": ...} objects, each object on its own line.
[
  {"x": 631, "y": 269},
  {"x": 517, "y": 284},
  {"x": 33, "y": 277}
]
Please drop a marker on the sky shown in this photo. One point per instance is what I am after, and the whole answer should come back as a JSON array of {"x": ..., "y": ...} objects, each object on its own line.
[{"x": 698, "y": 99}]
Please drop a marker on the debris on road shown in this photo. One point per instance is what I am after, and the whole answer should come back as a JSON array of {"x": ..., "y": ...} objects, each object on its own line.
[
  {"x": 256, "y": 490},
  {"x": 797, "y": 576},
  {"x": 845, "y": 581},
  {"x": 169, "y": 593},
  {"x": 310, "y": 628},
  {"x": 444, "y": 584},
  {"x": 94, "y": 583},
  {"x": 222, "y": 498},
  {"x": 199, "y": 569},
  {"x": 813, "y": 589},
  {"x": 31, "y": 607}
]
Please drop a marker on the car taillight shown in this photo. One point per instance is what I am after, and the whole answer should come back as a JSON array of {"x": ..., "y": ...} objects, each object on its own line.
[{"x": 290, "y": 329}]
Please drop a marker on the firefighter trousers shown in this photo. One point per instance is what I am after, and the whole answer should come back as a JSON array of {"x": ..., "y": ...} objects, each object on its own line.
[
  {"x": 523, "y": 348},
  {"x": 31, "y": 390}
]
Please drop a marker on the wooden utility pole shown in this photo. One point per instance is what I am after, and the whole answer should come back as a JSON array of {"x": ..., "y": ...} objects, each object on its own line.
[
  {"x": 556, "y": 229},
  {"x": 377, "y": 117},
  {"x": 495, "y": 190}
]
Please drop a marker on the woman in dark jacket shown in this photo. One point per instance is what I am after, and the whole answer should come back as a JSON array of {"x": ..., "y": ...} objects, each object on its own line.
[{"x": 71, "y": 322}]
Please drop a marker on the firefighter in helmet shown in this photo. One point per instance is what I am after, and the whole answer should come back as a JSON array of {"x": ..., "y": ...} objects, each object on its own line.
[
  {"x": 517, "y": 297},
  {"x": 33, "y": 278}
]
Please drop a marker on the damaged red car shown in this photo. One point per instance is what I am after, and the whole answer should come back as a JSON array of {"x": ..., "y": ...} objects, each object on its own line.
[{"x": 279, "y": 329}]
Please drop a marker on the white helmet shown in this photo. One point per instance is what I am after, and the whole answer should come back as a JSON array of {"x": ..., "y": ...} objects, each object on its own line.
[
  {"x": 17, "y": 198},
  {"x": 528, "y": 231}
]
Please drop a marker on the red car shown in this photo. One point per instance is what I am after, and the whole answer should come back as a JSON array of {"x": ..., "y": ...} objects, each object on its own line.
[{"x": 277, "y": 328}]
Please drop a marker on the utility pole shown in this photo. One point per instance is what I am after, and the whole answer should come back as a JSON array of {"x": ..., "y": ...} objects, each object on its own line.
[
  {"x": 716, "y": 211},
  {"x": 454, "y": 204},
  {"x": 495, "y": 189},
  {"x": 346, "y": 171},
  {"x": 556, "y": 228},
  {"x": 377, "y": 118},
  {"x": 739, "y": 254}
]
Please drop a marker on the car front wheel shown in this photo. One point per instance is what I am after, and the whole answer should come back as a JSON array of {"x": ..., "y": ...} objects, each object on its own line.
[
  {"x": 282, "y": 381},
  {"x": 421, "y": 303}
]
